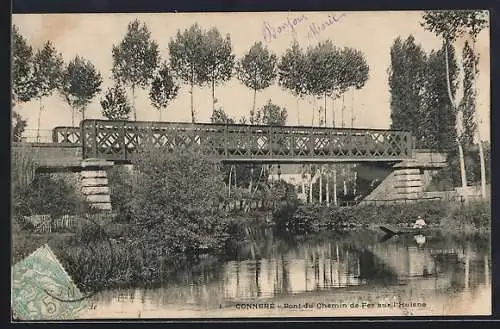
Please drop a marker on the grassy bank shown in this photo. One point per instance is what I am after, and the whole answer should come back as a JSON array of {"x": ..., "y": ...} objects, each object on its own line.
[
  {"x": 112, "y": 255},
  {"x": 470, "y": 217},
  {"x": 164, "y": 222}
]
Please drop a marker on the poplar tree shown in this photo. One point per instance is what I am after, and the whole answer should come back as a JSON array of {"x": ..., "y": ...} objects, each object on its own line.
[
  {"x": 218, "y": 59},
  {"x": 330, "y": 72},
  {"x": 407, "y": 75},
  {"x": 81, "y": 82},
  {"x": 163, "y": 89},
  {"x": 22, "y": 68},
  {"x": 438, "y": 116},
  {"x": 353, "y": 73},
  {"x": 322, "y": 67},
  {"x": 292, "y": 73},
  {"x": 47, "y": 76},
  {"x": 186, "y": 59},
  {"x": 135, "y": 59},
  {"x": 22, "y": 74},
  {"x": 451, "y": 25},
  {"x": 257, "y": 71},
  {"x": 115, "y": 105},
  {"x": 468, "y": 103}
]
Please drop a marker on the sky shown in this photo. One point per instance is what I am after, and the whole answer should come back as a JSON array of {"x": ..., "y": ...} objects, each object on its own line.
[{"x": 92, "y": 36}]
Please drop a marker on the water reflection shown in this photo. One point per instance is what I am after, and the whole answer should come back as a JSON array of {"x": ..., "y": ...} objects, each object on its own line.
[{"x": 352, "y": 267}]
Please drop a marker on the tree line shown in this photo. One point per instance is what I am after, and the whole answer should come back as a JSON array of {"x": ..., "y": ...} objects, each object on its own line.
[
  {"x": 197, "y": 58},
  {"x": 434, "y": 95}
]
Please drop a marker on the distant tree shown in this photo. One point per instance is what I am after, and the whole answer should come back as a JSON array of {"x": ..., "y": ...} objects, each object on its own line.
[
  {"x": 163, "y": 89},
  {"x": 18, "y": 126},
  {"x": 81, "y": 82},
  {"x": 242, "y": 175},
  {"x": 219, "y": 116},
  {"x": 436, "y": 124},
  {"x": 292, "y": 73},
  {"x": 354, "y": 70},
  {"x": 468, "y": 104},
  {"x": 407, "y": 74},
  {"x": 330, "y": 72},
  {"x": 22, "y": 68},
  {"x": 218, "y": 58},
  {"x": 271, "y": 115},
  {"x": 135, "y": 59},
  {"x": 48, "y": 69},
  {"x": 257, "y": 71},
  {"x": 22, "y": 74},
  {"x": 352, "y": 73},
  {"x": 322, "y": 73},
  {"x": 451, "y": 25},
  {"x": 186, "y": 59},
  {"x": 115, "y": 105}
]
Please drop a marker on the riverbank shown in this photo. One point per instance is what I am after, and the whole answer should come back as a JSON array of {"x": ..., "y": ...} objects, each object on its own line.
[
  {"x": 119, "y": 258},
  {"x": 474, "y": 216}
]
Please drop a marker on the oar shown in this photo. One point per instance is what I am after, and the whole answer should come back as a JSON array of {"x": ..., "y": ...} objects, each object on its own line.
[
  {"x": 388, "y": 233},
  {"x": 388, "y": 230}
]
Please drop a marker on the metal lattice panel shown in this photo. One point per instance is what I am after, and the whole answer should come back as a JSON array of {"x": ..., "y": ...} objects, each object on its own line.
[
  {"x": 66, "y": 135},
  {"x": 118, "y": 140}
]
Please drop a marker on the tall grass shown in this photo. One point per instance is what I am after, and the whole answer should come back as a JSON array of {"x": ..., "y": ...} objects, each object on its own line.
[{"x": 23, "y": 166}]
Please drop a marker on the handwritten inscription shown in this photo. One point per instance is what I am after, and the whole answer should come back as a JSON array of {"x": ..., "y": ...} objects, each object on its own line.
[
  {"x": 273, "y": 32},
  {"x": 315, "y": 29}
]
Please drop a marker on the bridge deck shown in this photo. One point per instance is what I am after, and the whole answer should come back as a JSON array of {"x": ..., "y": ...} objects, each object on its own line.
[
  {"x": 53, "y": 156},
  {"x": 119, "y": 140}
]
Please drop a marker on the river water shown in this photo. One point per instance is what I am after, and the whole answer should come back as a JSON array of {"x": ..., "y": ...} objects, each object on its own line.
[{"x": 350, "y": 274}]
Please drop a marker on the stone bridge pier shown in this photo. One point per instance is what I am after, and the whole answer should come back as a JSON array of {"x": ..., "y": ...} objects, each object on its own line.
[
  {"x": 95, "y": 185},
  {"x": 408, "y": 179}
]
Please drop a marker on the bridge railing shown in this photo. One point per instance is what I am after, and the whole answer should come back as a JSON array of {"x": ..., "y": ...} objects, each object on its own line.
[
  {"x": 118, "y": 140},
  {"x": 66, "y": 135}
]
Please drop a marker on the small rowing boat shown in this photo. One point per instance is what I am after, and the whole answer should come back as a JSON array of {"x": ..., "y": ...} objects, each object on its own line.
[{"x": 404, "y": 230}]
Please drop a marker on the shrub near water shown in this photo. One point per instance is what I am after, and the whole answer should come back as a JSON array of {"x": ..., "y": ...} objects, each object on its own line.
[
  {"x": 316, "y": 218},
  {"x": 121, "y": 185},
  {"x": 476, "y": 215},
  {"x": 174, "y": 197},
  {"x": 40, "y": 193}
]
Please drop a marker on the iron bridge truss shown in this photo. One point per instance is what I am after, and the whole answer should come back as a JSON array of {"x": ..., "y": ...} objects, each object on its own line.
[{"x": 120, "y": 140}]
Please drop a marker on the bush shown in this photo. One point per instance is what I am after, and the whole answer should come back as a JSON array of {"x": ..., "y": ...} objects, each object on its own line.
[
  {"x": 174, "y": 194},
  {"x": 121, "y": 184},
  {"x": 449, "y": 177},
  {"x": 25, "y": 242},
  {"x": 316, "y": 218},
  {"x": 469, "y": 216},
  {"x": 50, "y": 195},
  {"x": 42, "y": 193},
  {"x": 89, "y": 233}
]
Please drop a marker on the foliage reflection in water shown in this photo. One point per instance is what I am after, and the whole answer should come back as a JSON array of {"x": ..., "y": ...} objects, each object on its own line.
[{"x": 355, "y": 267}]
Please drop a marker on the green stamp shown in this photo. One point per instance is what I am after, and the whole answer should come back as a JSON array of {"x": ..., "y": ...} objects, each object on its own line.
[{"x": 43, "y": 290}]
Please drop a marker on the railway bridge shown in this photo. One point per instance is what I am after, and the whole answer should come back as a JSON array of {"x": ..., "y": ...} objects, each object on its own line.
[{"x": 98, "y": 144}]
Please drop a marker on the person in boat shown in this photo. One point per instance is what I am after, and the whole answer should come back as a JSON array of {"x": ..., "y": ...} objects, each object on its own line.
[
  {"x": 419, "y": 223},
  {"x": 419, "y": 239}
]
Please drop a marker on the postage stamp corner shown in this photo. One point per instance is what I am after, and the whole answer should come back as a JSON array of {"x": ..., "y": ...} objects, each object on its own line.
[{"x": 43, "y": 290}]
